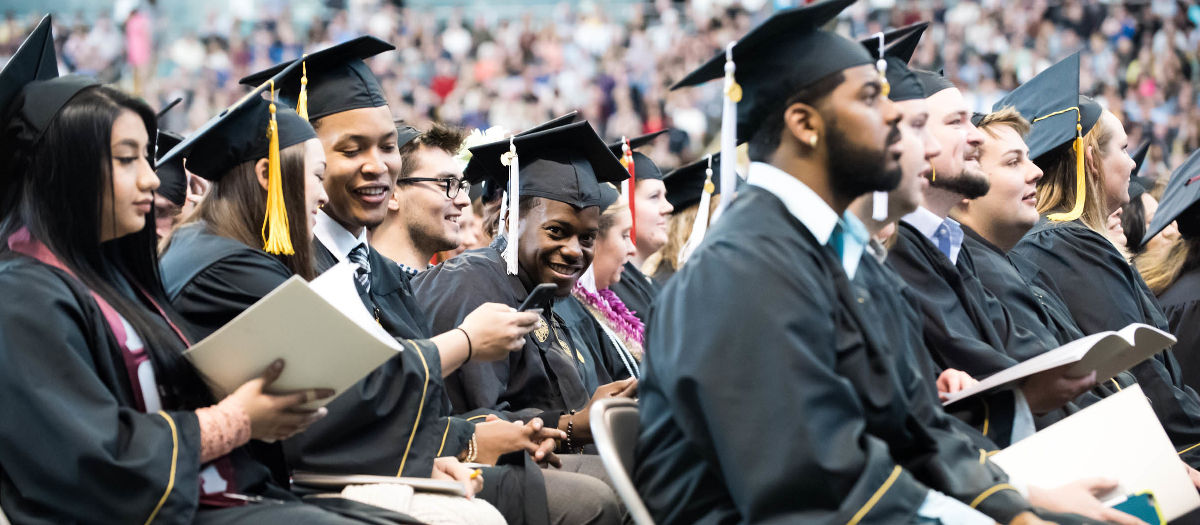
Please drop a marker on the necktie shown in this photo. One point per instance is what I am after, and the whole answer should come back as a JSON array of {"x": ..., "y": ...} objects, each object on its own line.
[
  {"x": 837, "y": 240},
  {"x": 359, "y": 256}
]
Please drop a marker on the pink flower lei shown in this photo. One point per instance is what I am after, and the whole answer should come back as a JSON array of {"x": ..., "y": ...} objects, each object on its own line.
[{"x": 620, "y": 319}]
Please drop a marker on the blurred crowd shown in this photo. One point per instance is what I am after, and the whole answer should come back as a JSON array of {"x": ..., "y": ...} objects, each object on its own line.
[{"x": 615, "y": 62}]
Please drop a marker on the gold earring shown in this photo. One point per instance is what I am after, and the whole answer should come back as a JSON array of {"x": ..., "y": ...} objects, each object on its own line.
[{"x": 812, "y": 140}]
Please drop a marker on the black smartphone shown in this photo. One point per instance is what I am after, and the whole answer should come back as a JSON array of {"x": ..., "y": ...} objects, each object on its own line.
[{"x": 540, "y": 297}]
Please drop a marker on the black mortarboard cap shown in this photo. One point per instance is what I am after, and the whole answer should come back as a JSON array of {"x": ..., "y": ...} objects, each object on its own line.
[
  {"x": 1049, "y": 102},
  {"x": 338, "y": 79},
  {"x": 899, "y": 46},
  {"x": 238, "y": 134},
  {"x": 788, "y": 45},
  {"x": 172, "y": 180},
  {"x": 35, "y": 63},
  {"x": 1138, "y": 185},
  {"x": 553, "y": 123},
  {"x": 565, "y": 164},
  {"x": 406, "y": 134},
  {"x": 931, "y": 82},
  {"x": 490, "y": 191},
  {"x": 686, "y": 183},
  {"x": 1179, "y": 201},
  {"x": 608, "y": 195},
  {"x": 643, "y": 167}
]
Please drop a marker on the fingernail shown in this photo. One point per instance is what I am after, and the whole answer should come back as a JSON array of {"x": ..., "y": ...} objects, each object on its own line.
[{"x": 277, "y": 364}]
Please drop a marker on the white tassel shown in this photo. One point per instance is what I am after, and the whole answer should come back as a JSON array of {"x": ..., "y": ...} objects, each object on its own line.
[
  {"x": 700, "y": 225},
  {"x": 879, "y": 210},
  {"x": 733, "y": 94},
  {"x": 514, "y": 209}
]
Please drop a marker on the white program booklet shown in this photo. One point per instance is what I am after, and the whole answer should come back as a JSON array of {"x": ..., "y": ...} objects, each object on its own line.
[
  {"x": 1108, "y": 353},
  {"x": 1118, "y": 438},
  {"x": 321, "y": 329}
]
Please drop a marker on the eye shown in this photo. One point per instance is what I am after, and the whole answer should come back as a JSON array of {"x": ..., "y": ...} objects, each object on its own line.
[
  {"x": 389, "y": 147},
  {"x": 587, "y": 239},
  {"x": 554, "y": 231},
  {"x": 126, "y": 161},
  {"x": 350, "y": 152}
]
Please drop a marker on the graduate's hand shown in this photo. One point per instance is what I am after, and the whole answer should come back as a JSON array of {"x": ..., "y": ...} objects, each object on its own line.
[
  {"x": 496, "y": 329},
  {"x": 951, "y": 381},
  {"x": 581, "y": 426},
  {"x": 275, "y": 417},
  {"x": 496, "y": 437},
  {"x": 1028, "y": 518},
  {"x": 451, "y": 469},
  {"x": 1082, "y": 497},
  {"x": 1053, "y": 388}
]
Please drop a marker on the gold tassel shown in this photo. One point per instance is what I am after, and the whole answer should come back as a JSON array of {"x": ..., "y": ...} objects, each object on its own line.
[
  {"x": 302, "y": 100},
  {"x": 276, "y": 239},
  {"x": 932, "y": 173},
  {"x": 1080, "y": 181}
]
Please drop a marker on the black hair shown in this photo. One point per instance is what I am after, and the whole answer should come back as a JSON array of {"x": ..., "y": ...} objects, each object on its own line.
[
  {"x": 58, "y": 196},
  {"x": 766, "y": 138}
]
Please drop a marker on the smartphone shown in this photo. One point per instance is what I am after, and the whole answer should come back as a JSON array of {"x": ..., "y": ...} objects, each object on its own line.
[
  {"x": 540, "y": 297},
  {"x": 1142, "y": 506}
]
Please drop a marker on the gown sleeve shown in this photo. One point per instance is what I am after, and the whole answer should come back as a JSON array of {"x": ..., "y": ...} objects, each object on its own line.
[{"x": 65, "y": 431}]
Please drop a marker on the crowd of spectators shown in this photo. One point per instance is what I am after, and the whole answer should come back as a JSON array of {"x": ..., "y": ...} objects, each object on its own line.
[{"x": 614, "y": 62}]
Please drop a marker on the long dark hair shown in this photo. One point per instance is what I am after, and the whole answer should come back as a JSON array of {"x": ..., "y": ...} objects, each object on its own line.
[
  {"x": 237, "y": 204},
  {"x": 56, "y": 187}
]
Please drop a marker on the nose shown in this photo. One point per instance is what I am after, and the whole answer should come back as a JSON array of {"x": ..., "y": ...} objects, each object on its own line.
[
  {"x": 630, "y": 249},
  {"x": 571, "y": 250},
  {"x": 1035, "y": 172},
  {"x": 974, "y": 136},
  {"x": 147, "y": 180},
  {"x": 933, "y": 147},
  {"x": 322, "y": 197},
  {"x": 374, "y": 165},
  {"x": 462, "y": 199},
  {"x": 891, "y": 113},
  {"x": 666, "y": 208}
]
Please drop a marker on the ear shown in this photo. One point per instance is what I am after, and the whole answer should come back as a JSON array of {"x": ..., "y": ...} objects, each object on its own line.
[
  {"x": 1089, "y": 161},
  {"x": 804, "y": 125},
  {"x": 260, "y": 170},
  {"x": 394, "y": 200}
]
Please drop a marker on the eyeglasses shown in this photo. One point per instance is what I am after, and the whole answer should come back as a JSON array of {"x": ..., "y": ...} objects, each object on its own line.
[{"x": 453, "y": 185}]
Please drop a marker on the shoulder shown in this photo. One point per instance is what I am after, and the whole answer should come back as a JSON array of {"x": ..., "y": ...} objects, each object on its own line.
[
  {"x": 41, "y": 295},
  {"x": 1184, "y": 292}
]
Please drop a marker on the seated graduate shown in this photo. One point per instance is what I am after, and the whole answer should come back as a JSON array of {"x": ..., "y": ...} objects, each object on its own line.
[
  {"x": 1173, "y": 270},
  {"x": 549, "y": 238},
  {"x": 613, "y": 248},
  {"x": 694, "y": 192},
  {"x": 651, "y": 210},
  {"x": 397, "y": 419},
  {"x": 814, "y": 372},
  {"x": 1080, "y": 145},
  {"x": 105, "y": 420},
  {"x": 966, "y": 328},
  {"x": 428, "y": 201}
]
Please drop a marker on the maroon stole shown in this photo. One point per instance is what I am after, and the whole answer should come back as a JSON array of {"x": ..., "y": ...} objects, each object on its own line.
[{"x": 22, "y": 242}]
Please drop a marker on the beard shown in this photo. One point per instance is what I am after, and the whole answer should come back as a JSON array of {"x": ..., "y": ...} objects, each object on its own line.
[
  {"x": 431, "y": 237},
  {"x": 971, "y": 183},
  {"x": 857, "y": 169}
]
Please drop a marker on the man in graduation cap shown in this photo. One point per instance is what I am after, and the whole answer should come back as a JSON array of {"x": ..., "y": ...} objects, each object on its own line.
[
  {"x": 425, "y": 207},
  {"x": 553, "y": 198},
  {"x": 785, "y": 405},
  {"x": 650, "y": 209}
]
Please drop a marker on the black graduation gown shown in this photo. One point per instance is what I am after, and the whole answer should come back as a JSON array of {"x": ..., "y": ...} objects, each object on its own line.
[
  {"x": 636, "y": 290},
  {"x": 812, "y": 423},
  {"x": 1181, "y": 305},
  {"x": 1104, "y": 292},
  {"x": 101, "y": 460},
  {"x": 1033, "y": 308},
  {"x": 396, "y": 416},
  {"x": 662, "y": 275},
  {"x": 539, "y": 380}
]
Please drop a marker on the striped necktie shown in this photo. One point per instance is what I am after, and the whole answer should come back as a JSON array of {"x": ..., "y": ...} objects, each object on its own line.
[{"x": 363, "y": 276}]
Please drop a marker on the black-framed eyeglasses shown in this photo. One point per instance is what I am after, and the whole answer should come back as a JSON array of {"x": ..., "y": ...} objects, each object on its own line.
[{"x": 453, "y": 185}]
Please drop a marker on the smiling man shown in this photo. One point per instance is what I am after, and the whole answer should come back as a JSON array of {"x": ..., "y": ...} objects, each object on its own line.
[{"x": 424, "y": 211}]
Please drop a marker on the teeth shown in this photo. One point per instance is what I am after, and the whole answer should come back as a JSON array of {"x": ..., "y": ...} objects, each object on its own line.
[{"x": 370, "y": 191}]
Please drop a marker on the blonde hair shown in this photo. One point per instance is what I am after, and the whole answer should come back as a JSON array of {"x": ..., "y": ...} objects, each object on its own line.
[
  {"x": 1161, "y": 266},
  {"x": 1007, "y": 116},
  {"x": 679, "y": 228},
  {"x": 1056, "y": 191}
]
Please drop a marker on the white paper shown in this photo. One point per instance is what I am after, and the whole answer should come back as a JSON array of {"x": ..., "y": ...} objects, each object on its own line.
[
  {"x": 1108, "y": 353},
  {"x": 321, "y": 329},
  {"x": 1119, "y": 438}
]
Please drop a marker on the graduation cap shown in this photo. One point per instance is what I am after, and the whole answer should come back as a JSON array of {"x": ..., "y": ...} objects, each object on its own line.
[
  {"x": 489, "y": 191},
  {"x": 1138, "y": 185},
  {"x": 406, "y": 134},
  {"x": 931, "y": 82},
  {"x": 609, "y": 195},
  {"x": 33, "y": 69},
  {"x": 565, "y": 164},
  {"x": 250, "y": 129},
  {"x": 172, "y": 179},
  {"x": 1058, "y": 114},
  {"x": 332, "y": 80},
  {"x": 690, "y": 184},
  {"x": 1179, "y": 201},
  {"x": 789, "y": 44}
]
